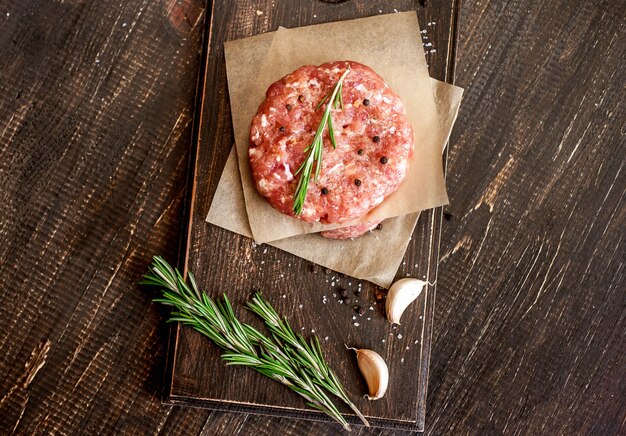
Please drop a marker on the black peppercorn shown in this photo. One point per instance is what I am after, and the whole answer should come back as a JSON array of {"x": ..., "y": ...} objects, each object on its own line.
[
  {"x": 366, "y": 102},
  {"x": 344, "y": 293},
  {"x": 384, "y": 160},
  {"x": 301, "y": 98},
  {"x": 357, "y": 182},
  {"x": 447, "y": 215},
  {"x": 289, "y": 107},
  {"x": 357, "y": 292},
  {"x": 360, "y": 152},
  {"x": 324, "y": 191},
  {"x": 282, "y": 128},
  {"x": 327, "y": 270},
  {"x": 379, "y": 227},
  {"x": 376, "y": 138}
]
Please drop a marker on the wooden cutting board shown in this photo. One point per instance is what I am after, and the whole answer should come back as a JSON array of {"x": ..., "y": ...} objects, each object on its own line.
[{"x": 224, "y": 262}]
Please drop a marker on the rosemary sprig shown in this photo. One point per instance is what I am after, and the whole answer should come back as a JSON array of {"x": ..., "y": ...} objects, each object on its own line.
[
  {"x": 307, "y": 354},
  {"x": 243, "y": 344},
  {"x": 314, "y": 150}
]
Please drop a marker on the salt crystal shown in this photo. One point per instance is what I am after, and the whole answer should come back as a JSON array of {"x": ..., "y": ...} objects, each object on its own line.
[
  {"x": 407, "y": 347},
  {"x": 399, "y": 336},
  {"x": 313, "y": 331},
  {"x": 353, "y": 317},
  {"x": 284, "y": 296},
  {"x": 259, "y": 13},
  {"x": 371, "y": 308},
  {"x": 301, "y": 306},
  {"x": 326, "y": 338},
  {"x": 124, "y": 24},
  {"x": 416, "y": 341},
  {"x": 384, "y": 341},
  {"x": 402, "y": 360},
  {"x": 369, "y": 319},
  {"x": 356, "y": 324},
  {"x": 264, "y": 250}
]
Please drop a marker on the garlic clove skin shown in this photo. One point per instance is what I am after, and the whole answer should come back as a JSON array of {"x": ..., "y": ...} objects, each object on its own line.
[
  {"x": 400, "y": 295},
  {"x": 374, "y": 371}
]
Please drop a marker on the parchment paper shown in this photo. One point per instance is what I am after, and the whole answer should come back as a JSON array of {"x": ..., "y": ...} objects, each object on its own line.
[
  {"x": 374, "y": 257},
  {"x": 391, "y": 44}
]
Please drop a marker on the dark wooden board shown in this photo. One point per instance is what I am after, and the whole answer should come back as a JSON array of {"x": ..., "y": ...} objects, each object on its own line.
[
  {"x": 529, "y": 321},
  {"x": 226, "y": 262}
]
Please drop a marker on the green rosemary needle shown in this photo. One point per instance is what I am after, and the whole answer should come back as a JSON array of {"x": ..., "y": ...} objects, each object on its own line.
[
  {"x": 314, "y": 150},
  {"x": 242, "y": 343}
]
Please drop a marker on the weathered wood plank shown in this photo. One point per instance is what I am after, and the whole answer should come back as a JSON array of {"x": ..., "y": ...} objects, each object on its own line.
[{"x": 225, "y": 262}]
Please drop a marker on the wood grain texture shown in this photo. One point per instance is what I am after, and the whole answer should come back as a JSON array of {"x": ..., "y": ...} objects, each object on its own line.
[
  {"x": 528, "y": 335},
  {"x": 226, "y": 262}
]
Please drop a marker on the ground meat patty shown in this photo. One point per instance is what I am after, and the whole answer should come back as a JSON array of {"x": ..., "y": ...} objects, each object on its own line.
[
  {"x": 351, "y": 232},
  {"x": 374, "y": 142}
]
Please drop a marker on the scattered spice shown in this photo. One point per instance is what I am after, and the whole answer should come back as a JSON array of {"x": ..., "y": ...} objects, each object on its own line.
[
  {"x": 282, "y": 128},
  {"x": 366, "y": 102},
  {"x": 357, "y": 182},
  {"x": 361, "y": 311},
  {"x": 376, "y": 138},
  {"x": 384, "y": 160},
  {"x": 313, "y": 268},
  {"x": 324, "y": 191},
  {"x": 289, "y": 107},
  {"x": 360, "y": 152},
  {"x": 380, "y": 295},
  {"x": 447, "y": 215},
  {"x": 347, "y": 301},
  {"x": 301, "y": 98},
  {"x": 344, "y": 293},
  {"x": 379, "y": 226}
]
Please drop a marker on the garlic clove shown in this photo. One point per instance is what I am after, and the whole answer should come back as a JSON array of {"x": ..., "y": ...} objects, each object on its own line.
[
  {"x": 374, "y": 371},
  {"x": 400, "y": 295}
]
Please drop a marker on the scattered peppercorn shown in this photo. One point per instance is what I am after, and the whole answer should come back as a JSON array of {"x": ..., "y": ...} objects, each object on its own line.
[
  {"x": 347, "y": 301},
  {"x": 327, "y": 270},
  {"x": 384, "y": 160},
  {"x": 447, "y": 215},
  {"x": 344, "y": 293},
  {"x": 424, "y": 3},
  {"x": 360, "y": 152},
  {"x": 376, "y": 138},
  {"x": 380, "y": 296},
  {"x": 301, "y": 98},
  {"x": 357, "y": 292},
  {"x": 281, "y": 128},
  {"x": 366, "y": 102},
  {"x": 357, "y": 182},
  {"x": 379, "y": 226},
  {"x": 362, "y": 311},
  {"x": 289, "y": 107},
  {"x": 324, "y": 191},
  {"x": 313, "y": 268}
]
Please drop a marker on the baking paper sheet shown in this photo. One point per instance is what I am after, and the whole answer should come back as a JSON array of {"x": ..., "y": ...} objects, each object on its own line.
[
  {"x": 391, "y": 44},
  {"x": 375, "y": 256}
]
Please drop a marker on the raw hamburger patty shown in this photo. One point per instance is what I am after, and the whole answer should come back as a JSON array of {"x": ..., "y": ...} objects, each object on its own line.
[
  {"x": 374, "y": 142},
  {"x": 350, "y": 232}
]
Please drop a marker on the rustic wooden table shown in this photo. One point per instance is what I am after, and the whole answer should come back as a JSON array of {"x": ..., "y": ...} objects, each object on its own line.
[{"x": 96, "y": 110}]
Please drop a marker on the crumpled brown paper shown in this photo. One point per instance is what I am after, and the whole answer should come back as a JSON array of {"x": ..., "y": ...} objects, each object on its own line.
[
  {"x": 388, "y": 43},
  {"x": 374, "y": 257}
]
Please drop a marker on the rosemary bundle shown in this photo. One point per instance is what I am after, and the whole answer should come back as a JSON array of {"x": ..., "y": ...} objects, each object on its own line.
[{"x": 285, "y": 357}]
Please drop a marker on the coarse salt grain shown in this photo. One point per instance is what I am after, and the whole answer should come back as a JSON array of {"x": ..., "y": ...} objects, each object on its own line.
[
  {"x": 326, "y": 338},
  {"x": 301, "y": 306},
  {"x": 402, "y": 360},
  {"x": 356, "y": 324},
  {"x": 383, "y": 341},
  {"x": 399, "y": 336}
]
